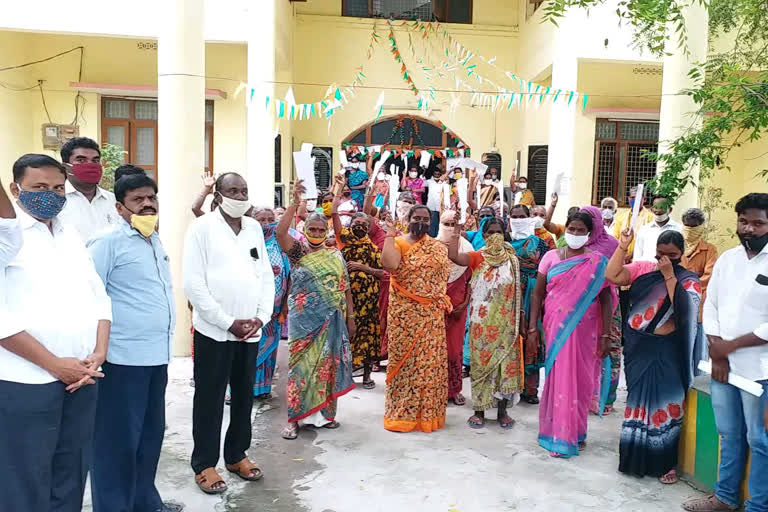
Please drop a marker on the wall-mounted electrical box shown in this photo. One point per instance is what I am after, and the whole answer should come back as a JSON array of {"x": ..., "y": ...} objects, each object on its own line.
[{"x": 55, "y": 135}]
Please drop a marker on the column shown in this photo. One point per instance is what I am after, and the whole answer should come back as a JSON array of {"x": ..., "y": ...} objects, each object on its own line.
[
  {"x": 261, "y": 126},
  {"x": 676, "y": 116},
  {"x": 181, "y": 124}
]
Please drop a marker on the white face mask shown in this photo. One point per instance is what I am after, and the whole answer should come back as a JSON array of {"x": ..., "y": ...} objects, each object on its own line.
[
  {"x": 413, "y": 175},
  {"x": 608, "y": 214},
  {"x": 576, "y": 241},
  {"x": 233, "y": 207},
  {"x": 488, "y": 181},
  {"x": 661, "y": 218},
  {"x": 381, "y": 176},
  {"x": 522, "y": 186},
  {"x": 538, "y": 222},
  {"x": 402, "y": 210},
  {"x": 520, "y": 229}
]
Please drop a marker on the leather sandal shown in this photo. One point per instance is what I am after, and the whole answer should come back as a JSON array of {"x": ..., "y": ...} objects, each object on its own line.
[
  {"x": 707, "y": 504},
  {"x": 246, "y": 470},
  {"x": 206, "y": 480}
]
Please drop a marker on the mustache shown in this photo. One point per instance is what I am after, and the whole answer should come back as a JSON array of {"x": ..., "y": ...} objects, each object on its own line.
[{"x": 148, "y": 210}]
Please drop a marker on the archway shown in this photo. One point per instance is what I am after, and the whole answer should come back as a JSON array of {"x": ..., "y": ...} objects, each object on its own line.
[{"x": 406, "y": 132}]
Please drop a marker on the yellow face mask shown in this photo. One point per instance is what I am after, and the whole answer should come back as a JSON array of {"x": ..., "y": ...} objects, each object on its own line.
[{"x": 144, "y": 224}]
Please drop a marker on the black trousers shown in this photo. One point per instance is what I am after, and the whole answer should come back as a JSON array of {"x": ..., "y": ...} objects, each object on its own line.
[
  {"x": 130, "y": 425},
  {"x": 46, "y": 437},
  {"x": 218, "y": 363}
]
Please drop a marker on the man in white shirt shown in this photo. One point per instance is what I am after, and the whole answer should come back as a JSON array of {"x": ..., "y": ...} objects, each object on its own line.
[
  {"x": 10, "y": 232},
  {"x": 434, "y": 196},
  {"x": 647, "y": 235},
  {"x": 228, "y": 280},
  {"x": 736, "y": 323},
  {"x": 50, "y": 350},
  {"x": 90, "y": 209}
]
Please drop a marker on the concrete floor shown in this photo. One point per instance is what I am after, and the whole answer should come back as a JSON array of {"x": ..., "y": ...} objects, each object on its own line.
[{"x": 362, "y": 467}]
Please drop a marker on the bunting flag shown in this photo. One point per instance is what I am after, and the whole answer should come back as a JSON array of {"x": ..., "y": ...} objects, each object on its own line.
[{"x": 379, "y": 106}]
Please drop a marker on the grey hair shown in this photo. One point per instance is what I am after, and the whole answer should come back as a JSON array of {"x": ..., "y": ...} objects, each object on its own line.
[
  {"x": 611, "y": 200},
  {"x": 316, "y": 216},
  {"x": 694, "y": 217}
]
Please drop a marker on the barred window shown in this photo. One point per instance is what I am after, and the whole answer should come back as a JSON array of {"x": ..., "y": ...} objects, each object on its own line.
[{"x": 451, "y": 11}]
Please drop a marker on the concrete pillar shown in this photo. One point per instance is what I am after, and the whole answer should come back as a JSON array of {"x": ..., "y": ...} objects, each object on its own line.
[
  {"x": 676, "y": 116},
  {"x": 181, "y": 124},
  {"x": 261, "y": 126}
]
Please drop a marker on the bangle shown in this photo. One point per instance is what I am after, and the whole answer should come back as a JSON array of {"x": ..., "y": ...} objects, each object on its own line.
[
  {"x": 669, "y": 278},
  {"x": 390, "y": 236},
  {"x": 603, "y": 336},
  {"x": 625, "y": 249},
  {"x": 533, "y": 329}
]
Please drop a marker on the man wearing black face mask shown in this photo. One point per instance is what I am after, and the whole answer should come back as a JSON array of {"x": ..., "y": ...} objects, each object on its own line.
[{"x": 736, "y": 323}]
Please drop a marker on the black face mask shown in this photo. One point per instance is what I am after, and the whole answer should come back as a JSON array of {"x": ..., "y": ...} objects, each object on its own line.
[
  {"x": 754, "y": 243},
  {"x": 418, "y": 229},
  {"x": 359, "y": 231}
]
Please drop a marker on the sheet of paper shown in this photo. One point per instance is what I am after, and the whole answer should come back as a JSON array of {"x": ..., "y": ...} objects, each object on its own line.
[
  {"x": 343, "y": 158},
  {"x": 452, "y": 163},
  {"x": 562, "y": 184},
  {"x": 474, "y": 164},
  {"x": 306, "y": 147},
  {"x": 461, "y": 189},
  {"x": 636, "y": 208},
  {"x": 405, "y": 161},
  {"x": 446, "y": 195},
  {"x": 384, "y": 157},
  {"x": 740, "y": 382},
  {"x": 394, "y": 191},
  {"x": 426, "y": 156},
  {"x": 305, "y": 171},
  {"x": 500, "y": 187}
]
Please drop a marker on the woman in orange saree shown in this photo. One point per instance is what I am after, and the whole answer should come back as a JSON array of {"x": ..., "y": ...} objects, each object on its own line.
[{"x": 417, "y": 376}]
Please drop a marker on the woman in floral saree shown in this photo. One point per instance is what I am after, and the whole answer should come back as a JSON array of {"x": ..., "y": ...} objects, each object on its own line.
[
  {"x": 321, "y": 315},
  {"x": 495, "y": 313},
  {"x": 577, "y": 318},
  {"x": 659, "y": 341},
  {"x": 270, "y": 339},
  {"x": 417, "y": 376}
]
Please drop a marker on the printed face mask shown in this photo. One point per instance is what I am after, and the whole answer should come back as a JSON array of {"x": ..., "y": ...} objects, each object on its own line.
[
  {"x": 418, "y": 229},
  {"x": 43, "y": 204},
  {"x": 359, "y": 231}
]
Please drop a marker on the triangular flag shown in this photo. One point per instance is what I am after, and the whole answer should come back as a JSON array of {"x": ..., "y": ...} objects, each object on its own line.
[
  {"x": 281, "y": 110},
  {"x": 337, "y": 95},
  {"x": 570, "y": 96},
  {"x": 379, "y": 106},
  {"x": 267, "y": 103},
  {"x": 584, "y": 102},
  {"x": 290, "y": 99}
]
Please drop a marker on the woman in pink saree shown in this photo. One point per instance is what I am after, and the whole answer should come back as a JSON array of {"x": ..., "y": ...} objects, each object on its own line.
[{"x": 577, "y": 321}]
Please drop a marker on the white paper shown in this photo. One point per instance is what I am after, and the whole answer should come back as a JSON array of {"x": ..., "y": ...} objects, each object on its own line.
[
  {"x": 363, "y": 166},
  {"x": 426, "y": 156},
  {"x": 343, "y": 158},
  {"x": 500, "y": 186},
  {"x": 461, "y": 189},
  {"x": 306, "y": 147},
  {"x": 392, "y": 169},
  {"x": 468, "y": 163},
  {"x": 305, "y": 171},
  {"x": 562, "y": 184},
  {"x": 394, "y": 191},
  {"x": 636, "y": 208},
  {"x": 405, "y": 160},
  {"x": 478, "y": 191},
  {"x": 740, "y": 382},
  {"x": 452, "y": 163},
  {"x": 447, "y": 195},
  {"x": 382, "y": 161}
]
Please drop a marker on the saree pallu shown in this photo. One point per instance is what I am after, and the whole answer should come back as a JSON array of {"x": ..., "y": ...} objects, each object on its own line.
[
  {"x": 355, "y": 179},
  {"x": 417, "y": 376},
  {"x": 270, "y": 339},
  {"x": 659, "y": 371},
  {"x": 455, "y": 328},
  {"x": 571, "y": 326},
  {"x": 320, "y": 366},
  {"x": 529, "y": 252},
  {"x": 494, "y": 333}
]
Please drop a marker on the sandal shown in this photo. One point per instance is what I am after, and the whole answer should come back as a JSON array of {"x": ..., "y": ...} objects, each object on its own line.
[
  {"x": 670, "y": 478},
  {"x": 476, "y": 422},
  {"x": 246, "y": 470},
  {"x": 332, "y": 425},
  {"x": 530, "y": 399},
  {"x": 506, "y": 423},
  {"x": 556, "y": 455},
  {"x": 709, "y": 503},
  {"x": 582, "y": 446},
  {"x": 290, "y": 432},
  {"x": 207, "y": 479},
  {"x": 459, "y": 400},
  {"x": 369, "y": 384}
]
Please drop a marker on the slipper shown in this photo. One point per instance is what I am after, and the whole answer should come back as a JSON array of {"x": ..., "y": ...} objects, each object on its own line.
[
  {"x": 474, "y": 425},
  {"x": 707, "y": 504},
  {"x": 332, "y": 425},
  {"x": 508, "y": 425},
  {"x": 290, "y": 433},
  {"x": 245, "y": 469},
  {"x": 670, "y": 478},
  {"x": 369, "y": 384},
  {"x": 459, "y": 400},
  {"x": 582, "y": 446},
  {"x": 206, "y": 480}
]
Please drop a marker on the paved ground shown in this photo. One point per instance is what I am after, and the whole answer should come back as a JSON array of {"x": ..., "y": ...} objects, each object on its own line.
[{"x": 362, "y": 467}]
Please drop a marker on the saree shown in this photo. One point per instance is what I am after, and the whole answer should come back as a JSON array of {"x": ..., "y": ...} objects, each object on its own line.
[
  {"x": 571, "y": 327},
  {"x": 659, "y": 369},
  {"x": 355, "y": 179},
  {"x": 529, "y": 252},
  {"x": 417, "y": 376},
  {"x": 365, "y": 296},
  {"x": 547, "y": 237},
  {"x": 320, "y": 366},
  {"x": 496, "y": 351},
  {"x": 270, "y": 338}
]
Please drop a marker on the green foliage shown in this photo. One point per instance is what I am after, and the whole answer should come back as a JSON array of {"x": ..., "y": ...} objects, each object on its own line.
[{"x": 112, "y": 157}]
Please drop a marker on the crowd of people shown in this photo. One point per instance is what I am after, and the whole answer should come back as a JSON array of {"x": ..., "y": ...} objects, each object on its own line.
[{"x": 431, "y": 291}]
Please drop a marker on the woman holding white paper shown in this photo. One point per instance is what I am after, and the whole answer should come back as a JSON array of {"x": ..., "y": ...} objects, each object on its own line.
[{"x": 659, "y": 356}]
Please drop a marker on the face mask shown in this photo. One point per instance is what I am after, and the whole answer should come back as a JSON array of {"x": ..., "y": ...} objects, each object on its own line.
[
  {"x": 673, "y": 261},
  {"x": 413, "y": 175},
  {"x": 488, "y": 181},
  {"x": 233, "y": 207},
  {"x": 457, "y": 176},
  {"x": 381, "y": 176},
  {"x": 754, "y": 243},
  {"x": 315, "y": 241},
  {"x": 88, "y": 172},
  {"x": 632, "y": 203},
  {"x": 664, "y": 217},
  {"x": 44, "y": 204},
  {"x": 418, "y": 229},
  {"x": 522, "y": 186},
  {"x": 521, "y": 228},
  {"x": 359, "y": 231},
  {"x": 403, "y": 209},
  {"x": 607, "y": 214},
  {"x": 576, "y": 241},
  {"x": 269, "y": 230},
  {"x": 144, "y": 224},
  {"x": 538, "y": 222},
  {"x": 327, "y": 208}
]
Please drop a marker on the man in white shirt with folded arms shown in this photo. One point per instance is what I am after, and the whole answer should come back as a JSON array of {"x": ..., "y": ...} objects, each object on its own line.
[
  {"x": 736, "y": 323},
  {"x": 53, "y": 338},
  {"x": 228, "y": 280}
]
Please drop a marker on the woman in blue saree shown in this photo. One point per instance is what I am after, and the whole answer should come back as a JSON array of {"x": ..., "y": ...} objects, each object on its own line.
[
  {"x": 270, "y": 339},
  {"x": 357, "y": 180},
  {"x": 659, "y": 356}
]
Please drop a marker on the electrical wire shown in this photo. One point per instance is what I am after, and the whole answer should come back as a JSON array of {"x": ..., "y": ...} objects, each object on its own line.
[
  {"x": 42, "y": 95},
  {"x": 26, "y": 64},
  {"x": 14, "y": 89}
]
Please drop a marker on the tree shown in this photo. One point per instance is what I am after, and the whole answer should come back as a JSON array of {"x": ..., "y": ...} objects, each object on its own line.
[{"x": 731, "y": 88}]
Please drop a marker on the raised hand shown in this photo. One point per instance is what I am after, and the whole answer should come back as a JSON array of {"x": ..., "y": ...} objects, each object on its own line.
[
  {"x": 626, "y": 238},
  {"x": 666, "y": 268},
  {"x": 298, "y": 191}
]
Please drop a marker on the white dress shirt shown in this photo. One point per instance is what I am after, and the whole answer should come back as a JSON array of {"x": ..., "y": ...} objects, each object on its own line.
[
  {"x": 223, "y": 280},
  {"x": 89, "y": 218},
  {"x": 10, "y": 245},
  {"x": 434, "y": 194},
  {"x": 53, "y": 293},
  {"x": 648, "y": 235},
  {"x": 737, "y": 304}
]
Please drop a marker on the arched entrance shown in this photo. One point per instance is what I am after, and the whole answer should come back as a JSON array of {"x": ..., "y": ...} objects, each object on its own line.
[{"x": 406, "y": 132}]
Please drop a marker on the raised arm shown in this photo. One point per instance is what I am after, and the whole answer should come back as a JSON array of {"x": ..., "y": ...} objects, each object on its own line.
[
  {"x": 615, "y": 272},
  {"x": 551, "y": 212},
  {"x": 6, "y": 208},
  {"x": 390, "y": 256},
  {"x": 197, "y": 205},
  {"x": 459, "y": 258},
  {"x": 284, "y": 238},
  {"x": 471, "y": 187},
  {"x": 337, "y": 226}
]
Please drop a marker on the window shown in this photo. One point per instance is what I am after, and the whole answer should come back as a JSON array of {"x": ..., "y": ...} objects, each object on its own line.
[
  {"x": 450, "y": 11},
  {"x": 323, "y": 165},
  {"x": 278, "y": 157},
  {"x": 621, "y": 157},
  {"x": 538, "y": 158},
  {"x": 531, "y": 7},
  {"x": 405, "y": 131},
  {"x": 492, "y": 160},
  {"x": 132, "y": 125}
]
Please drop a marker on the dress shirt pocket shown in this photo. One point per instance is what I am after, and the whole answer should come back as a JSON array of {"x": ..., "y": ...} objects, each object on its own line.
[{"x": 757, "y": 296}]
